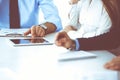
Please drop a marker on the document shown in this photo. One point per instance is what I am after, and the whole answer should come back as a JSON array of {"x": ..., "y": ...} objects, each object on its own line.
[
  {"x": 75, "y": 55},
  {"x": 12, "y": 32}
]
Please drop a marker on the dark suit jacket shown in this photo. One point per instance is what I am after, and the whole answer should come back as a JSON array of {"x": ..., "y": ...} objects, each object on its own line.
[{"x": 105, "y": 41}]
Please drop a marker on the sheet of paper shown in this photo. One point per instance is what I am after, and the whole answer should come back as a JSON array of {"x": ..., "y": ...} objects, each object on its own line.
[
  {"x": 12, "y": 32},
  {"x": 75, "y": 55}
]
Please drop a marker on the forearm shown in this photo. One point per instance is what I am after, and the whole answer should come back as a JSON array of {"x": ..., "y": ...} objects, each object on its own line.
[
  {"x": 102, "y": 42},
  {"x": 51, "y": 15}
]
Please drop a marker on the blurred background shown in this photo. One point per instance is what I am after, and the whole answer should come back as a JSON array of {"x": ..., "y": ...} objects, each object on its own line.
[{"x": 63, "y": 8}]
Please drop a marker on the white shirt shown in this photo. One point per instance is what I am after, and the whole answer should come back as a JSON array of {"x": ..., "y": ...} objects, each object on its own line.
[{"x": 91, "y": 19}]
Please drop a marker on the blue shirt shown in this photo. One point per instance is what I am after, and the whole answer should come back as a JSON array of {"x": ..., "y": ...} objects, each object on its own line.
[{"x": 29, "y": 13}]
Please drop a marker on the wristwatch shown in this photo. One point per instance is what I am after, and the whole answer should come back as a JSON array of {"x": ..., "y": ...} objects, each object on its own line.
[{"x": 43, "y": 26}]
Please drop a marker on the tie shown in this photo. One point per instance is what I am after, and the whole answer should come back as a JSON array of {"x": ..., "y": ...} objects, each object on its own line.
[{"x": 14, "y": 14}]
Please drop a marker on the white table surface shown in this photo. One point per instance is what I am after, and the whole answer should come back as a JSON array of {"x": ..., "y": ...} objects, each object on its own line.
[{"x": 40, "y": 63}]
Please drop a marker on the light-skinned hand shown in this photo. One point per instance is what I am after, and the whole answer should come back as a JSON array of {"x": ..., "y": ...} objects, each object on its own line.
[
  {"x": 73, "y": 2},
  {"x": 62, "y": 39},
  {"x": 114, "y": 64},
  {"x": 35, "y": 31}
]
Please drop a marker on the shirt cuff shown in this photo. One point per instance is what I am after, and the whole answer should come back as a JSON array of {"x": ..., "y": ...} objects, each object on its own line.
[{"x": 77, "y": 45}]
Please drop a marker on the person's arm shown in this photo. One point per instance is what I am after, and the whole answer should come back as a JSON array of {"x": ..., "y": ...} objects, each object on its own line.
[
  {"x": 41, "y": 30},
  {"x": 114, "y": 64},
  {"x": 52, "y": 20},
  {"x": 69, "y": 28},
  {"x": 105, "y": 41},
  {"x": 49, "y": 27},
  {"x": 51, "y": 15},
  {"x": 71, "y": 2},
  {"x": 73, "y": 15}
]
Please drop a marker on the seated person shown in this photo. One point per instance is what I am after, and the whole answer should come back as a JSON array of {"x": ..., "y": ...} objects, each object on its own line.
[
  {"x": 102, "y": 33},
  {"x": 81, "y": 23},
  {"x": 27, "y": 16}
]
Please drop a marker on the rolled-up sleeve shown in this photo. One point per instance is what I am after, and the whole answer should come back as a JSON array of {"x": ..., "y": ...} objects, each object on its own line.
[
  {"x": 50, "y": 13},
  {"x": 73, "y": 16}
]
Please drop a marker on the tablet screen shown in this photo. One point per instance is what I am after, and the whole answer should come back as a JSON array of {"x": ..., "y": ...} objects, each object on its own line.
[{"x": 30, "y": 41}]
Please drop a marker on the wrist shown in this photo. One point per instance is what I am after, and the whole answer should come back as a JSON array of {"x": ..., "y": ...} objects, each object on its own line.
[
  {"x": 43, "y": 27},
  {"x": 72, "y": 46},
  {"x": 72, "y": 2},
  {"x": 68, "y": 28}
]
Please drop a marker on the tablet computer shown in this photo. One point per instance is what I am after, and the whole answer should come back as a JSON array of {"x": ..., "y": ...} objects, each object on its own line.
[{"x": 30, "y": 42}]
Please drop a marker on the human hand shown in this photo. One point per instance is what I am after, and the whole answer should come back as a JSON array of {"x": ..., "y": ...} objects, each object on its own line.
[
  {"x": 73, "y": 1},
  {"x": 62, "y": 39},
  {"x": 69, "y": 28},
  {"x": 35, "y": 31},
  {"x": 114, "y": 64}
]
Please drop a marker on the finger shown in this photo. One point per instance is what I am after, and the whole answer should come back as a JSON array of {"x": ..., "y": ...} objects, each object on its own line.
[
  {"x": 63, "y": 42},
  {"x": 62, "y": 39},
  {"x": 114, "y": 64},
  {"x": 57, "y": 39},
  {"x": 115, "y": 68},
  {"x": 68, "y": 44},
  {"x": 40, "y": 31},
  {"x": 33, "y": 31},
  {"x": 108, "y": 65},
  {"x": 66, "y": 41},
  {"x": 61, "y": 35},
  {"x": 27, "y": 32},
  {"x": 58, "y": 36},
  {"x": 66, "y": 35},
  {"x": 117, "y": 64},
  {"x": 60, "y": 42},
  {"x": 116, "y": 59},
  {"x": 57, "y": 43}
]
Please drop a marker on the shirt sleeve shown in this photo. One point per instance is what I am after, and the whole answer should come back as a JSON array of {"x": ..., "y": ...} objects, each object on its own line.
[
  {"x": 50, "y": 13},
  {"x": 77, "y": 45},
  {"x": 104, "y": 24},
  {"x": 73, "y": 16}
]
